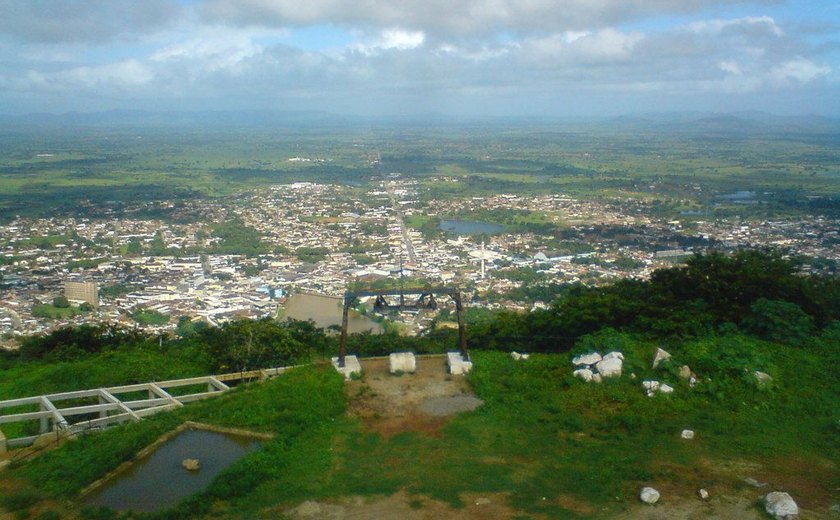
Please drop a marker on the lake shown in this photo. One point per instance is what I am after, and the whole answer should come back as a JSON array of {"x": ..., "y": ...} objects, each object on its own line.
[
  {"x": 159, "y": 481},
  {"x": 468, "y": 227},
  {"x": 325, "y": 311}
]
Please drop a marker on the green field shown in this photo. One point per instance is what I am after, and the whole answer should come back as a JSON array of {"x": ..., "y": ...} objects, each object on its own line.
[{"x": 61, "y": 169}]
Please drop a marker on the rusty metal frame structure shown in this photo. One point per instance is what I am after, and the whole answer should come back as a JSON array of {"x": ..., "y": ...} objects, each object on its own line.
[{"x": 420, "y": 303}]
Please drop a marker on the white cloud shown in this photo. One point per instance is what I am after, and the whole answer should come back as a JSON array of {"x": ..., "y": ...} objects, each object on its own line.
[
  {"x": 717, "y": 26},
  {"x": 799, "y": 70},
  {"x": 62, "y": 21},
  {"x": 447, "y": 17},
  {"x": 122, "y": 76},
  {"x": 731, "y": 67},
  {"x": 209, "y": 52},
  {"x": 405, "y": 50},
  {"x": 396, "y": 39}
]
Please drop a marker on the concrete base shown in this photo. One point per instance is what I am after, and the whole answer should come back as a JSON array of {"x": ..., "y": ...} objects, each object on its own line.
[
  {"x": 402, "y": 362},
  {"x": 351, "y": 366},
  {"x": 457, "y": 365}
]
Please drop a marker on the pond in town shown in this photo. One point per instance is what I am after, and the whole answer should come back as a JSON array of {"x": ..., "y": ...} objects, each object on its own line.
[
  {"x": 468, "y": 227},
  {"x": 159, "y": 481}
]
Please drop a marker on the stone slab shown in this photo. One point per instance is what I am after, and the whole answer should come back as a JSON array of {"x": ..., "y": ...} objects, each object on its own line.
[
  {"x": 351, "y": 366},
  {"x": 402, "y": 362},
  {"x": 457, "y": 365}
]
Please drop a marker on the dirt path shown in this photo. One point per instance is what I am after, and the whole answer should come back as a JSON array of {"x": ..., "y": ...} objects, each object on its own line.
[
  {"x": 401, "y": 506},
  {"x": 423, "y": 401}
]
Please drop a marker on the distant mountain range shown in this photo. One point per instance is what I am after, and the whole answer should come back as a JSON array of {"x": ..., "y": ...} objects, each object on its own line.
[{"x": 746, "y": 122}]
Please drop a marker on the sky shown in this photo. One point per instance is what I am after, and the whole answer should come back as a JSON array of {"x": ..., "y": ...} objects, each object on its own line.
[{"x": 413, "y": 57}]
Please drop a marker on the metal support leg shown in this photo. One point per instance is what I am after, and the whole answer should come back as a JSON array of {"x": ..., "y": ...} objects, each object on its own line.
[
  {"x": 342, "y": 342},
  {"x": 462, "y": 335}
]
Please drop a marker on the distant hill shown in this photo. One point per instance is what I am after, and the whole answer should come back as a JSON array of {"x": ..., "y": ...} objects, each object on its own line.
[
  {"x": 202, "y": 119},
  {"x": 742, "y": 123},
  {"x": 735, "y": 123}
]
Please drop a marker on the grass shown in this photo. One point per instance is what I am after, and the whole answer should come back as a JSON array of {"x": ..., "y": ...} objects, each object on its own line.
[
  {"x": 541, "y": 432},
  {"x": 130, "y": 365},
  {"x": 49, "y": 311}
]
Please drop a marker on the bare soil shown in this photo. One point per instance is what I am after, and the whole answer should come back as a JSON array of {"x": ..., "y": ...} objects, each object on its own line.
[
  {"x": 401, "y": 506},
  {"x": 424, "y": 401}
]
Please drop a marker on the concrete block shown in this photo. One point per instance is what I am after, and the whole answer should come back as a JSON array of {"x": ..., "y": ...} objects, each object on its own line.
[
  {"x": 457, "y": 365},
  {"x": 351, "y": 366},
  {"x": 402, "y": 362}
]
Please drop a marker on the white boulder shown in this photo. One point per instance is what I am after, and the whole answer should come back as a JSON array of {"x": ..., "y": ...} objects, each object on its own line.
[
  {"x": 614, "y": 355},
  {"x": 597, "y": 378},
  {"x": 781, "y": 506},
  {"x": 649, "y": 495},
  {"x": 688, "y": 375},
  {"x": 351, "y": 367},
  {"x": 651, "y": 387},
  {"x": 763, "y": 378},
  {"x": 609, "y": 367},
  {"x": 583, "y": 373},
  {"x": 458, "y": 366},
  {"x": 191, "y": 464},
  {"x": 703, "y": 494},
  {"x": 517, "y": 356},
  {"x": 587, "y": 359},
  {"x": 754, "y": 483},
  {"x": 687, "y": 434},
  {"x": 402, "y": 363},
  {"x": 660, "y": 356}
]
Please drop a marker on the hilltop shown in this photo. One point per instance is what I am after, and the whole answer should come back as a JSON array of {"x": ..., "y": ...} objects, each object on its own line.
[{"x": 544, "y": 443}]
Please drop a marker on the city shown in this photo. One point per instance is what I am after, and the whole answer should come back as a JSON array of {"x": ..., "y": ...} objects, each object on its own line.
[{"x": 307, "y": 237}]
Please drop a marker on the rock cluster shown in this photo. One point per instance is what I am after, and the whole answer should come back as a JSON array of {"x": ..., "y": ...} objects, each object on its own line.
[
  {"x": 519, "y": 356},
  {"x": 652, "y": 387},
  {"x": 594, "y": 367}
]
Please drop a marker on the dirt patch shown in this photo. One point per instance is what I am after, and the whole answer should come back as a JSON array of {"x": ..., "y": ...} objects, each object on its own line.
[
  {"x": 809, "y": 482},
  {"x": 402, "y": 506},
  {"x": 424, "y": 401}
]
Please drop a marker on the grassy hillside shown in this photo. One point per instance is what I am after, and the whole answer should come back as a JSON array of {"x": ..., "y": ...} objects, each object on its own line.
[
  {"x": 552, "y": 445},
  {"x": 541, "y": 433}
]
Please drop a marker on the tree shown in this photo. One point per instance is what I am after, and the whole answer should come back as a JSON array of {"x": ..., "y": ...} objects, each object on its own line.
[
  {"x": 779, "y": 321},
  {"x": 61, "y": 302},
  {"x": 134, "y": 247}
]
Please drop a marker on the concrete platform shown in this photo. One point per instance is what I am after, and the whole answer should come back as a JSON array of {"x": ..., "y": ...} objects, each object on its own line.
[
  {"x": 457, "y": 365},
  {"x": 351, "y": 366},
  {"x": 402, "y": 362}
]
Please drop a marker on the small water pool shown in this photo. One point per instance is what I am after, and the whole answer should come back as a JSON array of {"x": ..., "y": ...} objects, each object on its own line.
[
  {"x": 159, "y": 481},
  {"x": 468, "y": 227}
]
